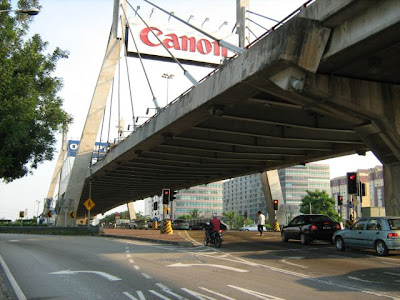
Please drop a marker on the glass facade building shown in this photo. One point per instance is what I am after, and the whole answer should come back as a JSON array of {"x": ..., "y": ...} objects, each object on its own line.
[
  {"x": 207, "y": 199},
  {"x": 245, "y": 195},
  {"x": 297, "y": 179}
]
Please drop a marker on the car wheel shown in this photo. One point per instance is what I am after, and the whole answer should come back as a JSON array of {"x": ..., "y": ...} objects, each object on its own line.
[
  {"x": 284, "y": 237},
  {"x": 339, "y": 243},
  {"x": 381, "y": 248},
  {"x": 205, "y": 242},
  {"x": 246, "y": 230},
  {"x": 303, "y": 239}
]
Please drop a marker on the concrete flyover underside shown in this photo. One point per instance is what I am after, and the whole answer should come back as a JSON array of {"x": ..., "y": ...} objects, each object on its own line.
[{"x": 302, "y": 93}]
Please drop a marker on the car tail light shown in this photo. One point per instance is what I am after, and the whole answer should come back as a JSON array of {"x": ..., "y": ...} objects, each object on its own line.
[
  {"x": 220, "y": 231},
  {"x": 313, "y": 227},
  {"x": 338, "y": 227},
  {"x": 392, "y": 235}
]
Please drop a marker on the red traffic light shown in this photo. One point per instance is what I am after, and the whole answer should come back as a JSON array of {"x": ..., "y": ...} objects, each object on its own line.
[
  {"x": 166, "y": 192},
  {"x": 352, "y": 177}
]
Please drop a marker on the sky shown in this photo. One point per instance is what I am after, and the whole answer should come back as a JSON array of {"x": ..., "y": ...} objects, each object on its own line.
[{"x": 82, "y": 27}]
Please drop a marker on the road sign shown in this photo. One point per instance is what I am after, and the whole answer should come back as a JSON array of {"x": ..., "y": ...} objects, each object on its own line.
[
  {"x": 21, "y": 214},
  {"x": 89, "y": 204},
  {"x": 72, "y": 214}
]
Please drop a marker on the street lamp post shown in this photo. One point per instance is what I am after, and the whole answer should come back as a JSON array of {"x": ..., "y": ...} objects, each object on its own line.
[
  {"x": 167, "y": 76},
  {"x": 32, "y": 11}
]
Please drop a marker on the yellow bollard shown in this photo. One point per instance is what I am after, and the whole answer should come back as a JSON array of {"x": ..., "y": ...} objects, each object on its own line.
[
  {"x": 276, "y": 227},
  {"x": 167, "y": 228},
  {"x": 155, "y": 225}
]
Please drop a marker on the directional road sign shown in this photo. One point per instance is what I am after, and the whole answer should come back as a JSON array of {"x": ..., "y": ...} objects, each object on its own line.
[{"x": 89, "y": 204}]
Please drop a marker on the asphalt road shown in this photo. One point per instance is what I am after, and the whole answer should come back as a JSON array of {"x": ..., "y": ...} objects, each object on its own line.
[{"x": 246, "y": 267}]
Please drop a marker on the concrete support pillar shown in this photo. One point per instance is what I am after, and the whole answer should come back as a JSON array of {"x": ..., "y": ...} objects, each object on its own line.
[
  {"x": 391, "y": 177},
  {"x": 82, "y": 162},
  {"x": 272, "y": 190},
  {"x": 131, "y": 210}
]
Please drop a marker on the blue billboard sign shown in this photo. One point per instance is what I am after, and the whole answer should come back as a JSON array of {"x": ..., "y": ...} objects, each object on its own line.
[{"x": 100, "y": 149}]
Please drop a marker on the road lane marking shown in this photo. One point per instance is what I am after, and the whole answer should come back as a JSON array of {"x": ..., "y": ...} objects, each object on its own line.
[
  {"x": 362, "y": 280},
  {"x": 13, "y": 241},
  {"x": 126, "y": 251},
  {"x": 218, "y": 294},
  {"x": 136, "y": 267},
  {"x": 255, "y": 294},
  {"x": 131, "y": 261},
  {"x": 180, "y": 265},
  {"x": 128, "y": 256},
  {"x": 18, "y": 292},
  {"x": 129, "y": 296},
  {"x": 293, "y": 264},
  {"x": 390, "y": 273},
  {"x": 159, "y": 295},
  {"x": 190, "y": 238},
  {"x": 141, "y": 296},
  {"x": 147, "y": 276},
  {"x": 197, "y": 295},
  {"x": 102, "y": 274},
  {"x": 168, "y": 291}
]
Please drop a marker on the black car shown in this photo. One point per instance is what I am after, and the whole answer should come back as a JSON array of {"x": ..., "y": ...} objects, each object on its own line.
[
  {"x": 198, "y": 226},
  {"x": 307, "y": 228}
]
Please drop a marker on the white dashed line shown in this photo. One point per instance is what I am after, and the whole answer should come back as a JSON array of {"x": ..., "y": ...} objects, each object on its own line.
[
  {"x": 136, "y": 267},
  {"x": 147, "y": 276},
  {"x": 131, "y": 261}
]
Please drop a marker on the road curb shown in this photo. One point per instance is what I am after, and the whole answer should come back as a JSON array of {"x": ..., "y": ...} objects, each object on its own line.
[{"x": 185, "y": 244}]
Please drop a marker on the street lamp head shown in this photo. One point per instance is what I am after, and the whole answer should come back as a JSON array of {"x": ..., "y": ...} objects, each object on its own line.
[{"x": 32, "y": 11}]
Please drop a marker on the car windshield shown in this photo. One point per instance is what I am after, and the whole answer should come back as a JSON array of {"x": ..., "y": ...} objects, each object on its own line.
[{"x": 394, "y": 224}]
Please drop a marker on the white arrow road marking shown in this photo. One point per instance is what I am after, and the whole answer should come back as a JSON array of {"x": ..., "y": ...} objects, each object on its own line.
[
  {"x": 209, "y": 265},
  {"x": 255, "y": 294},
  {"x": 103, "y": 274}
]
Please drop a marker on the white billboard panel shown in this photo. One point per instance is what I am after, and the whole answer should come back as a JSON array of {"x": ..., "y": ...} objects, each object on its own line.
[{"x": 183, "y": 42}]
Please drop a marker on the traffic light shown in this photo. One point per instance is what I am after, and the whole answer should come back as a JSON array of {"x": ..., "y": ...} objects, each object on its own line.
[
  {"x": 275, "y": 204},
  {"x": 166, "y": 196},
  {"x": 155, "y": 205},
  {"x": 49, "y": 214},
  {"x": 173, "y": 195},
  {"x": 339, "y": 200},
  {"x": 352, "y": 183},
  {"x": 21, "y": 214}
]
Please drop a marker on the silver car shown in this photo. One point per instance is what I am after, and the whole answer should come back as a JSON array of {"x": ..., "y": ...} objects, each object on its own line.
[{"x": 379, "y": 233}]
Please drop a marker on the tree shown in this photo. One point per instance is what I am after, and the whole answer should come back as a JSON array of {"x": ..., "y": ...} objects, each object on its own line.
[
  {"x": 30, "y": 111},
  {"x": 194, "y": 214},
  {"x": 319, "y": 203}
]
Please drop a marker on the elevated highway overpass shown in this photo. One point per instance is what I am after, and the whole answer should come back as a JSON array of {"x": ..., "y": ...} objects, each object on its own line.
[{"x": 323, "y": 84}]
